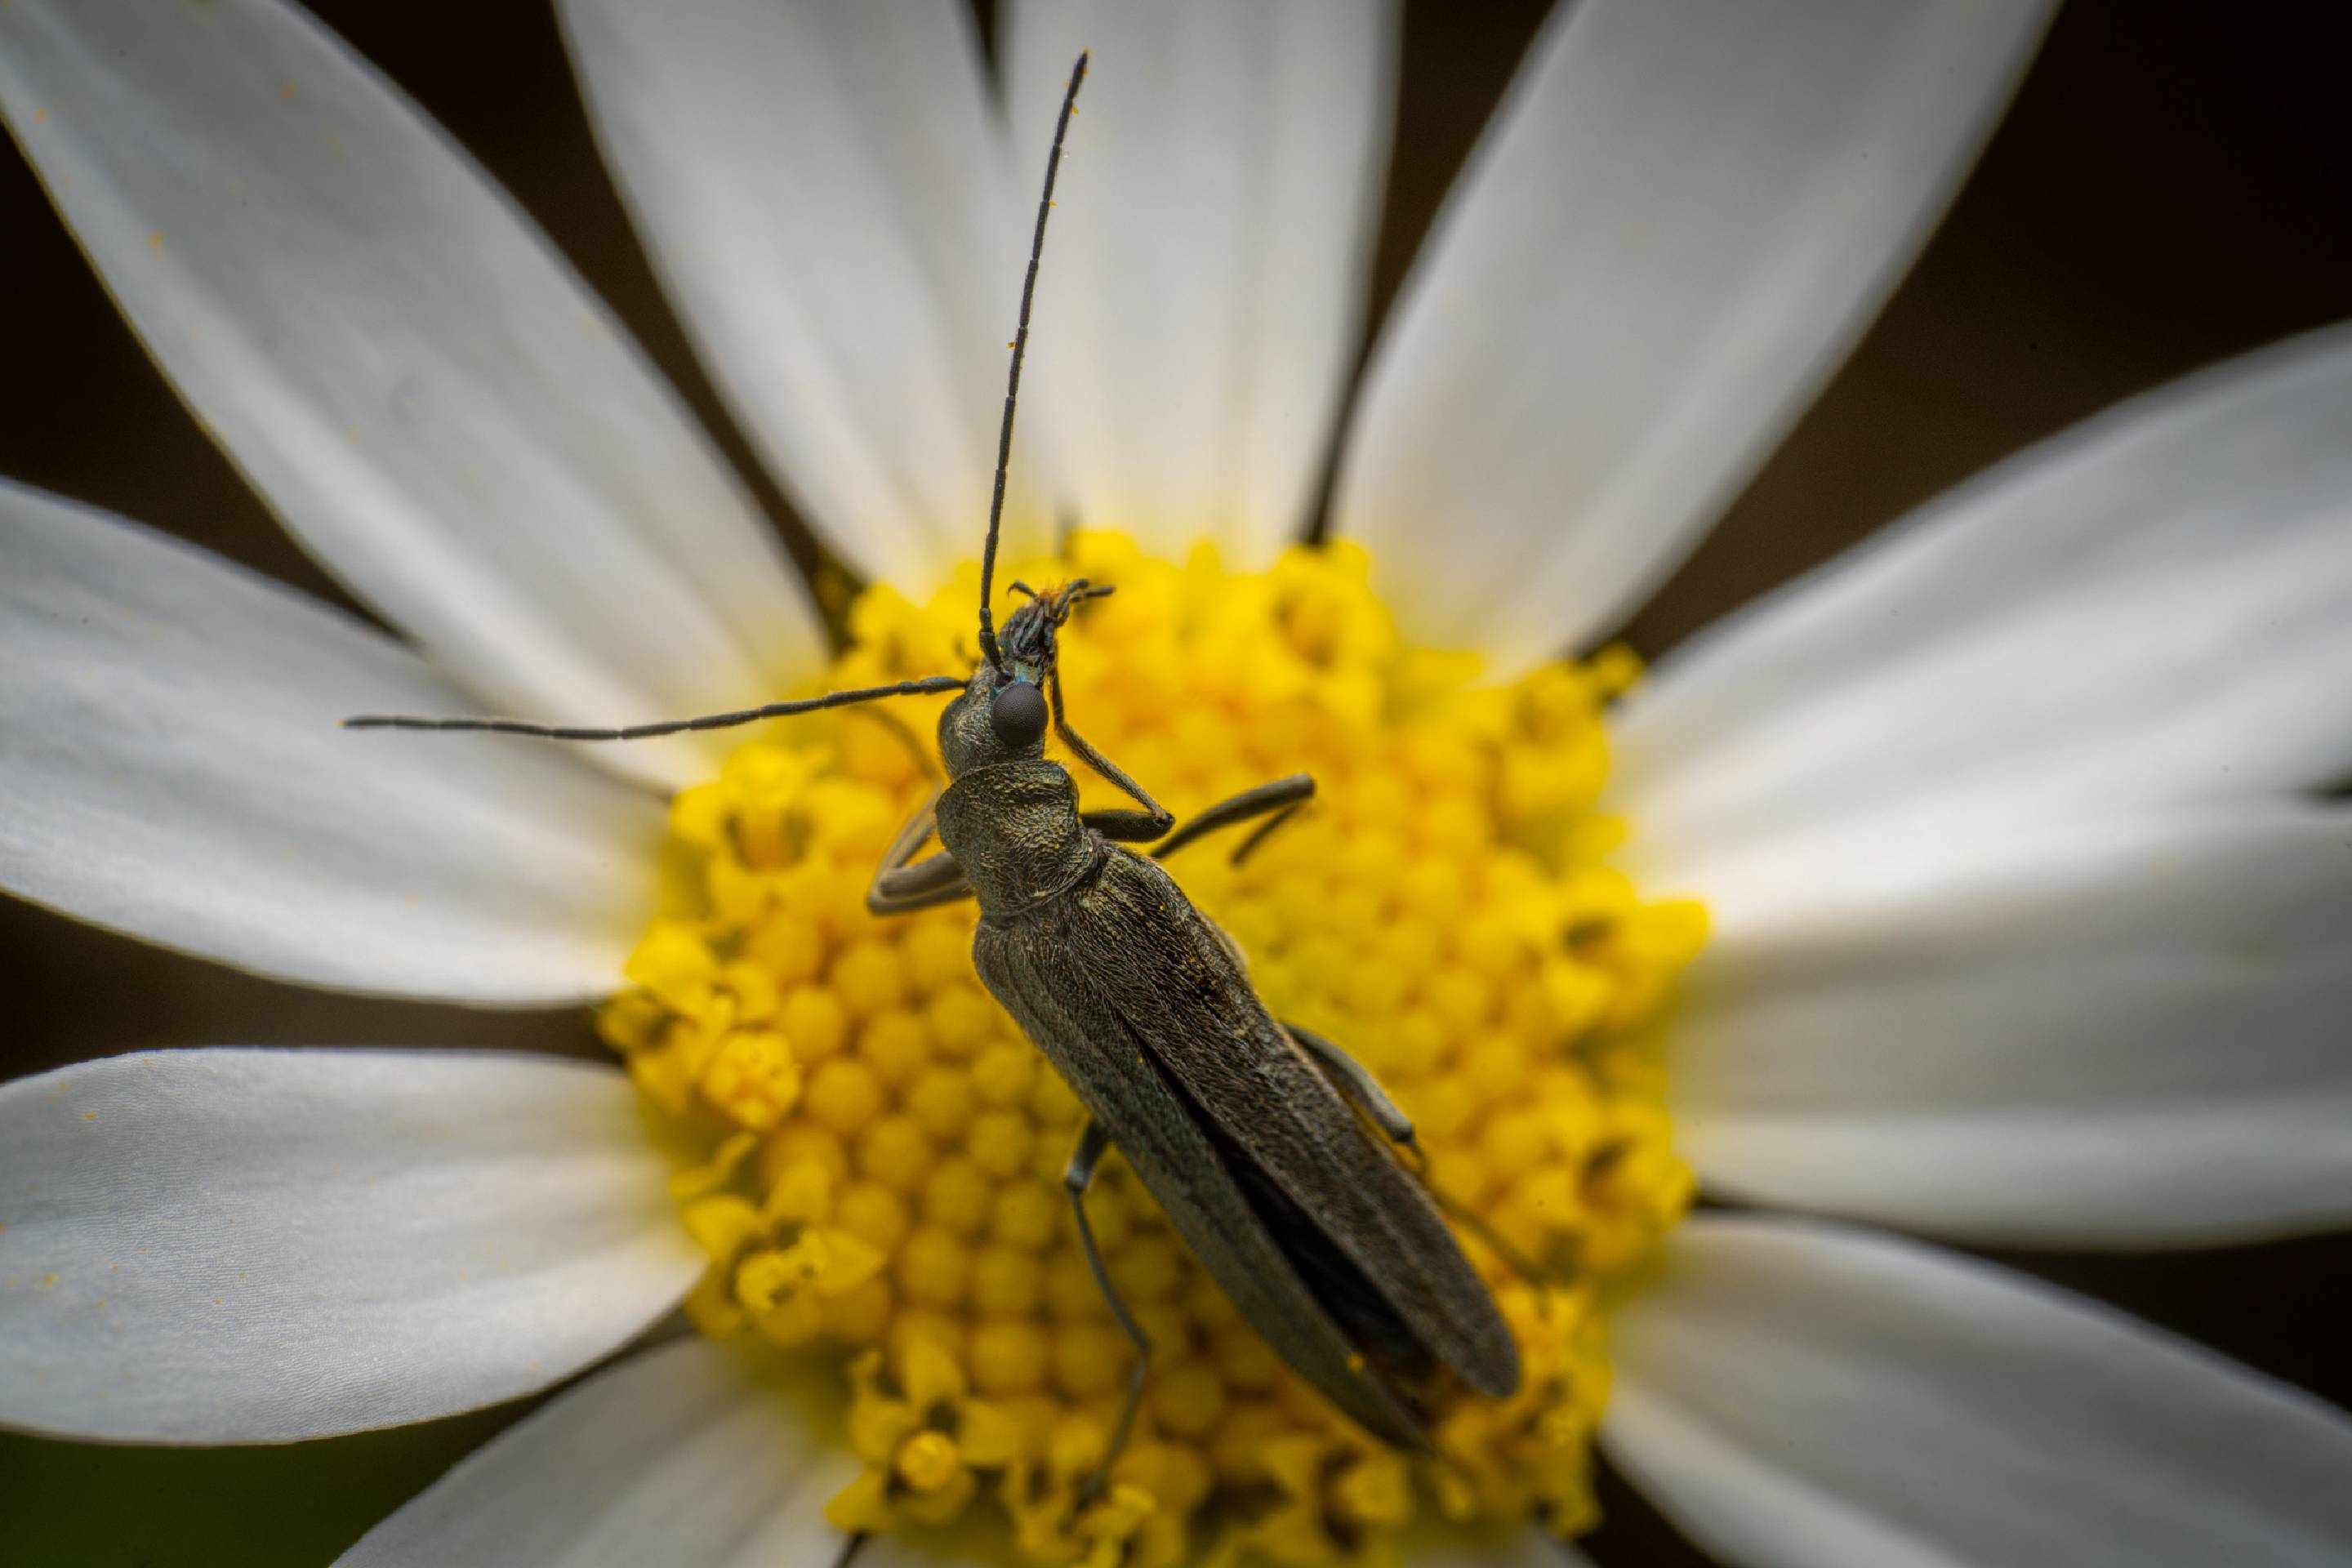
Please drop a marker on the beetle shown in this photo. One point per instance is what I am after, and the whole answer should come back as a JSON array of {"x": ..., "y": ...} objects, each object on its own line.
[{"x": 1250, "y": 1132}]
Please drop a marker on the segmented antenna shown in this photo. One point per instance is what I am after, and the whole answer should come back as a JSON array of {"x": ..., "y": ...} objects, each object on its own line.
[
  {"x": 927, "y": 686},
  {"x": 988, "y": 648}
]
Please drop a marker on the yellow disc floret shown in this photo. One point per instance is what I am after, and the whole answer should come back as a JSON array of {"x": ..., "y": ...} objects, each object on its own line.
[{"x": 884, "y": 1149}]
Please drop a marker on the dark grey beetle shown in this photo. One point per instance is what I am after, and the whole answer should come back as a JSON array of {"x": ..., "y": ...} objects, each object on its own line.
[
  {"x": 1245, "y": 1130},
  {"x": 1240, "y": 1126}
]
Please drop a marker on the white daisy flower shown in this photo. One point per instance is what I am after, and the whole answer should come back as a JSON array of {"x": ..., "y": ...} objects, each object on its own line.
[{"x": 2024, "y": 922}]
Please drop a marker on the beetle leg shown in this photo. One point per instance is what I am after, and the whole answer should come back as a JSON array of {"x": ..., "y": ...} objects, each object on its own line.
[
  {"x": 1263, "y": 831},
  {"x": 911, "y": 837},
  {"x": 1282, "y": 797},
  {"x": 1121, "y": 826},
  {"x": 1077, "y": 1177},
  {"x": 900, "y": 888},
  {"x": 1158, "y": 816},
  {"x": 1357, "y": 1085},
  {"x": 1362, "y": 1090},
  {"x": 926, "y": 759},
  {"x": 1467, "y": 1219},
  {"x": 937, "y": 880}
]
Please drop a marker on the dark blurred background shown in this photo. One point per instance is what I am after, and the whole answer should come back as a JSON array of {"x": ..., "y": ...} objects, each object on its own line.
[{"x": 2173, "y": 186}]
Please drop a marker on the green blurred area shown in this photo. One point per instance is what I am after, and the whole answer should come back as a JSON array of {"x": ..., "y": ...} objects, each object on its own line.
[{"x": 85, "y": 1505}]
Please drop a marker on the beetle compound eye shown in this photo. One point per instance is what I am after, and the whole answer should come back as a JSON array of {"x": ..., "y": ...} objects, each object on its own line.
[{"x": 1017, "y": 715}]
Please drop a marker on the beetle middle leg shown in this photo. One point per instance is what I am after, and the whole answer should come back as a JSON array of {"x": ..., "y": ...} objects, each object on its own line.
[
  {"x": 1077, "y": 1177},
  {"x": 1281, "y": 798},
  {"x": 900, "y": 888}
]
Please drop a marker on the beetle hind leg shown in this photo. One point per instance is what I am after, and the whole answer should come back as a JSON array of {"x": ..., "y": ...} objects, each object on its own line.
[
  {"x": 1357, "y": 1085},
  {"x": 1360, "y": 1089},
  {"x": 1077, "y": 1177}
]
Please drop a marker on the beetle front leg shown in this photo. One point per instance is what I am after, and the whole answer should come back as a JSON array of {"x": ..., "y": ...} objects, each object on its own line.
[
  {"x": 901, "y": 888},
  {"x": 1127, "y": 826},
  {"x": 1077, "y": 1177},
  {"x": 904, "y": 890}
]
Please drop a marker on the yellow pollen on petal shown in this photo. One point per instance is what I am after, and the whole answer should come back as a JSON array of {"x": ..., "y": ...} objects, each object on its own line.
[{"x": 880, "y": 1179}]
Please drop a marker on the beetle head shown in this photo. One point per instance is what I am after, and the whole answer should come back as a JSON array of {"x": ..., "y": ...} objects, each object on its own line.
[{"x": 1003, "y": 712}]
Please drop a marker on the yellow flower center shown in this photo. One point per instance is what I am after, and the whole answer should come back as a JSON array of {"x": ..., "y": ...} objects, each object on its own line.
[{"x": 886, "y": 1149}]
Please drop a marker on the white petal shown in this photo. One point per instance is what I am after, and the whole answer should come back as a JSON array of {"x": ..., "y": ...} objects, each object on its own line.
[
  {"x": 1798, "y": 1394},
  {"x": 170, "y": 765},
  {"x": 1681, "y": 217},
  {"x": 2129, "y": 1033},
  {"x": 424, "y": 391},
  {"x": 825, "y": 188},
  {"x": 2156, "y": 608},
  {"x": 257, "y": 1247},
  {"x": 1204, "y": 278},
  {"x": 687, "y": 1454}
]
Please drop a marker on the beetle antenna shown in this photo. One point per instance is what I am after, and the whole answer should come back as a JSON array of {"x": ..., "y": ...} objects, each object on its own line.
[
  {"x": 927, "y": 686},
  {"x": 1020, "y": 347}
]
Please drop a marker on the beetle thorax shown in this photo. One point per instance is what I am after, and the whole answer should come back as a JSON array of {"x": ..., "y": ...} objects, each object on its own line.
[{"x": 1014, "y": 827}]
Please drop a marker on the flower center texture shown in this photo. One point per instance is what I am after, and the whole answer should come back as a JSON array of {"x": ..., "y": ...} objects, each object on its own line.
[{"x": 883, "y": 1151}]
